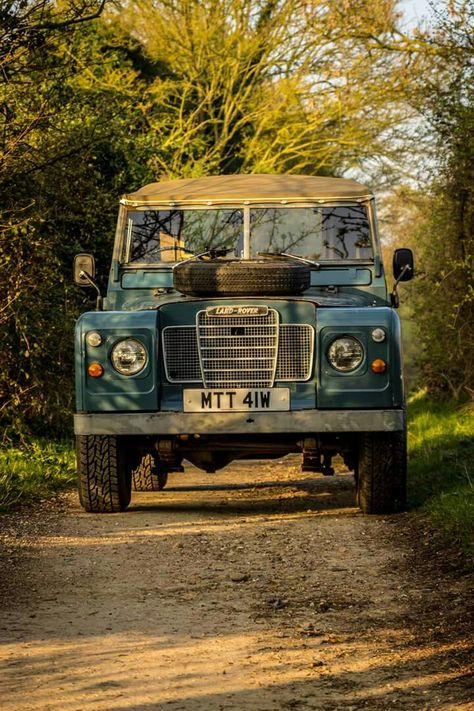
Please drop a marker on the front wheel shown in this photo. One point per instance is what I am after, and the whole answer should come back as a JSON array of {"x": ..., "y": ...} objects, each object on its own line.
[
  {"x": 382, "y": 472},
  {"x": 104, "y": 474}
]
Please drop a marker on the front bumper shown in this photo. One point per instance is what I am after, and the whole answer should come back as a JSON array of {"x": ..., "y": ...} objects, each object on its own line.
[{"x": 300, "y": 421}]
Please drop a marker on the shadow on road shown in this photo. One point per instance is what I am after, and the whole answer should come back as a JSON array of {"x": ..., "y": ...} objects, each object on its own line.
[
  {"x": 235, "y": 592},
  {"x": 256, "y": 498}
]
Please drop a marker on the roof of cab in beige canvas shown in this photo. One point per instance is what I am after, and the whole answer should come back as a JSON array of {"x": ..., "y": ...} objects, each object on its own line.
[{"x": 252, "y": 188}]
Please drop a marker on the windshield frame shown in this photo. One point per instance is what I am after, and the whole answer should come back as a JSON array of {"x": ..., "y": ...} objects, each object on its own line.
[{"x": 120, "y": 256}]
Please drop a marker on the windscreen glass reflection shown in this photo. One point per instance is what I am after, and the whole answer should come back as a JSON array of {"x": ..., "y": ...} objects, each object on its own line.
[
  {"x": 322, "y": 233},
  {"x": 172, "y": 235}
]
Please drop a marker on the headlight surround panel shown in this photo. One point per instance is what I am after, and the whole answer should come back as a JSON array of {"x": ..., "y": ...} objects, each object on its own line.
[
  {"x": 360, "y": 388},
  {"x": 128, "y": 356},
  {"x": 351, "y": 366},
  {"x": 114, "y": 391}
]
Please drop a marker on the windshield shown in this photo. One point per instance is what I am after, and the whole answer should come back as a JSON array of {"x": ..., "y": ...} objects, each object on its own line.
[
  {"x": 171, "y": 235},
  {"x": 320, "y": 233}
]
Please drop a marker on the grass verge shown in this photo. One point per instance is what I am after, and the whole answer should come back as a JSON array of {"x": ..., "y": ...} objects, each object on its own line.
[
  {"x": 441, "y": 466},
  {"x": 35, "y": 470}
]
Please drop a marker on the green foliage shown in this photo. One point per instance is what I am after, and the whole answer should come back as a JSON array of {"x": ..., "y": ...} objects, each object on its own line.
[
  {"x": 271, "y": 86},
  {"x": 442, "y": 298},
  {"x": 441, "y": 473},
  {"x": 437, "y": 218},
  {"x": 59, "y": 197},
  {"x": 35, "y": 470},
  {"x": 444, "y": 294},
  {"x": 453, "y": 513}
]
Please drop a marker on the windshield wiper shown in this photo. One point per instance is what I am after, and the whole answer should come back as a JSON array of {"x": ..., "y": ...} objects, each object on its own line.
[
  {"x": 212, "y": 252},
  {"x": 287, "y": 255},
  {"x": 175, "y": 248}
]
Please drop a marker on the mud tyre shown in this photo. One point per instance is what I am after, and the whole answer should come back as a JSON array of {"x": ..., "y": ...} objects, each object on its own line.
[
  {"x": 146, "y": 477},
  {"x": 246, "y": 278},
  {"x": 104, "y": 473},
  {"x": 382, "y": 472}
]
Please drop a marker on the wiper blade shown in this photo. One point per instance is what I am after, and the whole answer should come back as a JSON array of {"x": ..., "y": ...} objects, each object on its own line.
[
  {"x": 174, "y": 248},
  {"x": 212, "y": 252},
  {"x": 287, "y": 255}
]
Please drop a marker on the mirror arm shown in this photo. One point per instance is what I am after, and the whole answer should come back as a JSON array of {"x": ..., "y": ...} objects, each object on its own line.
[
  {"x": 394, "y": 295},
  {"x": 377, "y": 265},
  {"x": 87, "y": 277}
]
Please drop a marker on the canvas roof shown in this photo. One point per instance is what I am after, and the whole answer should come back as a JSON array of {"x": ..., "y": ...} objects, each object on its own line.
[{"x": 252, "y": 188}]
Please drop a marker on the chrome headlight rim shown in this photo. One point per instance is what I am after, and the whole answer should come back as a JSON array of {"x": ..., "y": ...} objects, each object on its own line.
[
  {"x": 345, "y": 369},
  {"x": 135, "y": 367}
]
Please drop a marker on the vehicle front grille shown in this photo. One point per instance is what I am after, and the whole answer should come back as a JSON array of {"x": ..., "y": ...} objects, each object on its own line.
[
  {"x": 295, "y": 352},
  {"x": 238, "y": 351},
  {"x": 181, "y": 354}
]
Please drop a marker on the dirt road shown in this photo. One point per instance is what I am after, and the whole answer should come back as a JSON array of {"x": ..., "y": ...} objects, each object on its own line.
[{"x": 256, "y": 588}]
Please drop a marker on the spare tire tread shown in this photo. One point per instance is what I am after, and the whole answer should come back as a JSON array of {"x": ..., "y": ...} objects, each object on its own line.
[{"x": 239, "y": 278}]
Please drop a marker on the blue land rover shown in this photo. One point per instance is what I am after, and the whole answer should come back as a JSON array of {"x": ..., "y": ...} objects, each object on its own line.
[{"x": 246, "y": 316}]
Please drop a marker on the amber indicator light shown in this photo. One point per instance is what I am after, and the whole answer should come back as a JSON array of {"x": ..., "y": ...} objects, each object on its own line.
[
  {"x": 95, "y": 370},
  {"x": 379, "y": 366}
]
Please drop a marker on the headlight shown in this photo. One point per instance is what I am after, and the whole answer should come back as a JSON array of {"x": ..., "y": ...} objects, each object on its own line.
[
  {"x": 345, "y": 354},
  {"x": 128, "y": 357}
]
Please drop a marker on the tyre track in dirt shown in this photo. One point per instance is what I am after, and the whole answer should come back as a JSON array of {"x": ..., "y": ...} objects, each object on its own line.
[{"x": 258, "y": 588}]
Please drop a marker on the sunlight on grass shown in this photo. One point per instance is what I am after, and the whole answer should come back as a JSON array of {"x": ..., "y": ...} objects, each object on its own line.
[
  {"x": 35, "y": 470},
  {"x": 441, "y": 456}
]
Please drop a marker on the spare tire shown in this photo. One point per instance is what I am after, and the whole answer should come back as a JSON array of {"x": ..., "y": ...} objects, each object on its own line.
[{"x": 234, "y": 277}]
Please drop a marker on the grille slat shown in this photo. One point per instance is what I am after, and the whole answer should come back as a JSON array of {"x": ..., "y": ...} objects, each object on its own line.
[{"x": 224, "y": 362}]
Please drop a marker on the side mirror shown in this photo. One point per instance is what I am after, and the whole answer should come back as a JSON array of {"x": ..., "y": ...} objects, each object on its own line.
[
  {"x": 403, "y": 266},
  {"x": 84, "y": 264}
]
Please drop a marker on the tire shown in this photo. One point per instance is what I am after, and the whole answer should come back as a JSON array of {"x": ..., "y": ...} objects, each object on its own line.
[
  {"x": 246, "y": 278},
  {"x": 382, "y": 472},
  {"x": 146, "y": 477},
  {"x": 104, "y": 474}
]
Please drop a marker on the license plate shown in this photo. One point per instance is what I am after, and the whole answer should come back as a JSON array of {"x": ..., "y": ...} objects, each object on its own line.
[{"x": 236, "y": 400}]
